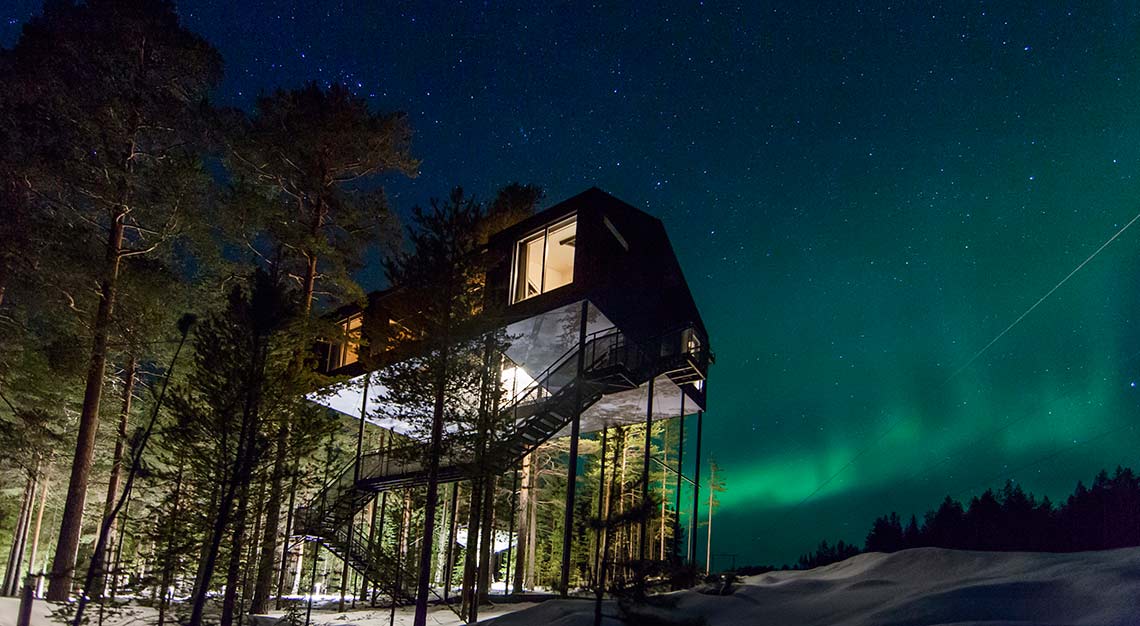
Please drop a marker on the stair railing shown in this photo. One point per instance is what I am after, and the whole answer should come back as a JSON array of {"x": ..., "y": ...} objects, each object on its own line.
[{"x": 603, "y": 348}]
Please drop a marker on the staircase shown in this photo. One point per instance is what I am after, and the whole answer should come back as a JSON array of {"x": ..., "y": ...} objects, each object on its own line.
[
  {"x": 348, "y": 543},
  {"x": 611, "y": 363}
]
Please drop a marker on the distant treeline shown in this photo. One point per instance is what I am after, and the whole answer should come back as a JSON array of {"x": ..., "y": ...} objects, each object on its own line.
[
  {"x": 1102, "y": 516},
  {"x": 826, "y": 555}
]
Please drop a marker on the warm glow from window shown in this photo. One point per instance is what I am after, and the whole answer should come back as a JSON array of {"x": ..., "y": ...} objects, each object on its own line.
[
  {"x": 544, "y": 261},
  {"x": 347, "y": 351},
  {"x": 692, "y": 342}
]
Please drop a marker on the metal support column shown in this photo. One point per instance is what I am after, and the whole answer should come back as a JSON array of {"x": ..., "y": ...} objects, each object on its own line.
[
  {"x": 572, "y": 463},
  {"x": 680, "y": 472},
  {"x": 449, "y": 560},
  {"x": 511, "y": 549},
  {"x": 696, "y": 494},
  {"x": 599, "y": 579},
  {"x": 644, "y": 543},
  {"x": 360, "y": 432}
]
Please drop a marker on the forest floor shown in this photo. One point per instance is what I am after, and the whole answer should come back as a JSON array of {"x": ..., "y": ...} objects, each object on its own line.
[
  {"x": 144, "y": 616},
  {"x": 908, "y": 588}
]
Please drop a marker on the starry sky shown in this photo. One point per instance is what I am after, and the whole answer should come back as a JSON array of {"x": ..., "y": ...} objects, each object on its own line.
[{"x": 861, "y": 198}]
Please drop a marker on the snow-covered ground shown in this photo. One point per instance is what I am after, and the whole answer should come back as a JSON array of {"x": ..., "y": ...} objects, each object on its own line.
[
  {"x": 143, "y": 616},
  {"x": 910, "y": 588}
]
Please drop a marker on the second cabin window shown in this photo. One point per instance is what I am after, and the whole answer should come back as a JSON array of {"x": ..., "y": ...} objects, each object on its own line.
[
  {"x": 544, "y": 261},
  {"x": 347, "y": 351}
]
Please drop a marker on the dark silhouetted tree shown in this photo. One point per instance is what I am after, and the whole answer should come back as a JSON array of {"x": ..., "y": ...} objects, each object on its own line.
[
  {"x": 115, "y": 88},
  {"x": 945, "y": 527},
  {"x": 827, "y": 554},
  {"x": 1101, "y": 517},
  {"x": 243, "y": 379},
  {"x": 306, "y": 165},
  {"x": 451, "y": 381},
  {"x": 912, "y": 536},
  {"x": 886, "y": 534}
]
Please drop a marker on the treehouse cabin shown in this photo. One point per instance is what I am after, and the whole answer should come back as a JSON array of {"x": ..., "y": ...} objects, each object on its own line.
[
  {"x": 602, "y": 330},
  {"x": 592, "y": 252}
]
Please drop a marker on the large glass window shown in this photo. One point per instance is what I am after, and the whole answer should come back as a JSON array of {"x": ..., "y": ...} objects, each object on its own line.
[
  {"x": 347, "y": 351},
  {"x": 545, "y": 260}
]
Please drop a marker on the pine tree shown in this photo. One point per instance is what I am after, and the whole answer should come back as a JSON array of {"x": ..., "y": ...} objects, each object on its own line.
[
  {"x": 886, "y": 534},
  {"x": 912, "y": 536},
  {"x": 451, "y": 379},
  {"x": 299, "y": 162},
  {"x": 37, "y": 391},
  {"x": 115, "y": 87},
  {"x": 243, "y": 379},
  {"x": 27, "y": 439}
]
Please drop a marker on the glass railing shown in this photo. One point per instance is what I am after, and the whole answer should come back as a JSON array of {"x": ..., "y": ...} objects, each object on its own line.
[{"x": 603, "y": 350}]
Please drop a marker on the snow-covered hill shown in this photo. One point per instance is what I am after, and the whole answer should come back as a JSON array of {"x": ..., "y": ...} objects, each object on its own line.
[{"x": 909, "y": 588}]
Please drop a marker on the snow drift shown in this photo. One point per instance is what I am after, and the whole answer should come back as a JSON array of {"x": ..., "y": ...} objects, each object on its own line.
[{"x": 909, "y": 588}]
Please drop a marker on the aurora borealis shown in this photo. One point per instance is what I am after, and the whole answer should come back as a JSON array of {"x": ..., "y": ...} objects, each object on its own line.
[{"x": 861, "y": 198}]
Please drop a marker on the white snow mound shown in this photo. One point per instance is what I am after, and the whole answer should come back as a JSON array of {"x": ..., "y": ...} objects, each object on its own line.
[{"x": 909, "y": 588}]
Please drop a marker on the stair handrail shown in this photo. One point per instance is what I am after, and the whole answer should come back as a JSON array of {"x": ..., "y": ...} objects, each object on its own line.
[
  {"x": 545, "y": 374},
  {"x": 632, "y": 353},
  {"x": 539, "y": 382},
  {"x": 537, "y": 386}
]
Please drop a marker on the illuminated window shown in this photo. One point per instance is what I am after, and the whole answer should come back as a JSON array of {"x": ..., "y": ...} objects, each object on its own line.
[
  {"x": 691, "y": 342},
  {"x": 347, "y": 351},
  {"x": 544, "y": 261}
]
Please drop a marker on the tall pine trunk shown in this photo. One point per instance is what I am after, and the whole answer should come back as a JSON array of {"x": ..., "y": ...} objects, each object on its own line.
[
  {"x": 523, "y": 530},
  {"x": 379, "y": 545},
  {"x": 252, "y": 559},
  {"x": 233, "y": 570},
  {"x": 449, "y": 558},
  {"x": 344, "y": 572},
  {"x": 210, "y": 557},
  {"x": 36, "y": 530},
  {"x": 14, "y": 571},
  {"x": 71, "y": 524},
  {"x": 424, "y": 582},
  {"x": 236, "y": 485},
  {"x": 529, "y": 581},
  {"x": 285, "y": 540},
  {"x": 169, "y": 564},
  {"x": 471, "y": 552},
  {"x": 627, "y": 529},
  {"x": 117, "y": 461},
  {"x": 212, "y": 514},
  {"x": 266, "y": 563},
  {"x": 486, "y": 541},
  {"x": 297, "y": 573},
  {"x": 440, "y": 556},
  {"x": 370, "y": 515},
  {"x": 405, "y": 537}
]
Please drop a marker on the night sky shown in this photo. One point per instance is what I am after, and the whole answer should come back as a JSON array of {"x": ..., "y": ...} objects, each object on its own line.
[{"x": 861, "y": 199}]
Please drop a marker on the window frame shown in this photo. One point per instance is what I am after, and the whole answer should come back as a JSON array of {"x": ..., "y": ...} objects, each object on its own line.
[
  {"x": 519, "y": 254},
  {"x": 338, "y": 351}
]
